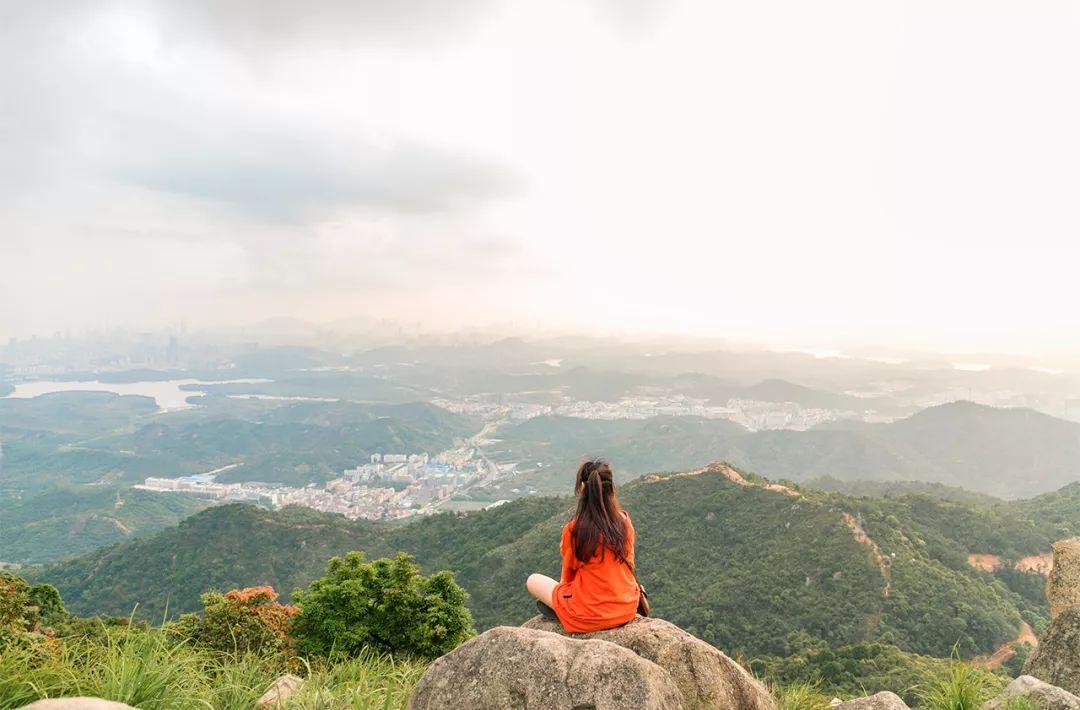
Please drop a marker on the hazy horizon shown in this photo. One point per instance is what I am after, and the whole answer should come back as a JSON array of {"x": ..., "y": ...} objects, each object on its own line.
[{"x": 824, "y": 176}]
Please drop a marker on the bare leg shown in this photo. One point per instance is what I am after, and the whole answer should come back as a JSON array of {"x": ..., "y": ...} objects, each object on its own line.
[{"x": 542, "y": 587}]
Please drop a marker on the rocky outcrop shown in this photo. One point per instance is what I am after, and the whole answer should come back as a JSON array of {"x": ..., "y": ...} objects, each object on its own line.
[
  {"x": 527, "y": 669},
  {"x": 706, "y": 677},
  {"x": 280, "y": 691},
  {"x": 1042, "y": 695},
  {"x": 76, "y": 704},
  {"x": 1063, "y": 583},
  {"x": 1057, "y": 659},
  {"x": 881, "y": 701}
]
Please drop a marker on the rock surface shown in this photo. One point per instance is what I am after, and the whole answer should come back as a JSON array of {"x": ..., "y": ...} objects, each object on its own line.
[
  {"x": 525, "y": 669},
  {"x": 881, "y": 701},
  {"x": 1063, "y": 582},
  {"x": 280, "y": 691},
  {"x": 1056, "y": 660},
  {"x": 706, "y": 677},
  {"x": 76, "y": 704},
  {"x": 1043, "y": 695}
]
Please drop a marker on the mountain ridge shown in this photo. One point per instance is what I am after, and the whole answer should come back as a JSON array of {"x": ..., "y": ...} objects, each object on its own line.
[{"x": 750, "y": 566}]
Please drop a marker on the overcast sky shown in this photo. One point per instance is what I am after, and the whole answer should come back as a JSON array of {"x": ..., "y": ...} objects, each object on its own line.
[{"x": 827, "y": 171}]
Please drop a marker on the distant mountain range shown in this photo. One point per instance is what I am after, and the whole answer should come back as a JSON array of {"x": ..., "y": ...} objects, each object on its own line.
[
  {"x": 750, "y": 566},
  {"x": 1009, "y": 453}
]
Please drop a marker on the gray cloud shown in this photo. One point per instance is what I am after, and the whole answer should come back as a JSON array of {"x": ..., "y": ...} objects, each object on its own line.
[
  {"x": 259, "y": 24},
  {"x": 294, "y": 178}
]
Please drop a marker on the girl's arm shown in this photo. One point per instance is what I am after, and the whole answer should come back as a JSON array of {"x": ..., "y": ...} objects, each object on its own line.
[{"x": 566, "y": 549}]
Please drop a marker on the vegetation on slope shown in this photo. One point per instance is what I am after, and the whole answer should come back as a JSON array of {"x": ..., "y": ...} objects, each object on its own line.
[
  {"x": 229, "y": 654},
  {"x": 751, "y": 570},
  {"x": 68, "y": 520},
  {"x": 1012, "y": 453}
]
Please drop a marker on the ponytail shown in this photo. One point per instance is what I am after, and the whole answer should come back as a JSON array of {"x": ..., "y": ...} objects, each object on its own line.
[{"x": 599, "y": 524}]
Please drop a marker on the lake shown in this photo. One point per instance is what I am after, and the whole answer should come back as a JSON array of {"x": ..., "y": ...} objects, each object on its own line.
[{"x": 166, "y": 393}]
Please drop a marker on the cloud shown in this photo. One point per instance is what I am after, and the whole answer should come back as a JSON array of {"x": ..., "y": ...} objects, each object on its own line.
[
  {"x": 266, "y": 24},
  {"x": 293, "y": 178}
]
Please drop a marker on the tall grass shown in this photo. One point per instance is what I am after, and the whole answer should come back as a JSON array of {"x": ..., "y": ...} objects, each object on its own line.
[
  {"x": 803, "y": 696},
  {"x": 370, "y": 681},
  {"x": 962, "y": 687},
  {"x": 149, "y": 670}
]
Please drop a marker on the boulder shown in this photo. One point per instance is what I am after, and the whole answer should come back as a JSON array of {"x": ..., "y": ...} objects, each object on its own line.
[
  {"x": 76, "y": 704},
  {"x": 880, "y": 701},
  {"x": 1063, "y": 582},
  {"x": 1042, "y": 695},
  {"x": 706, "y": 677},
  {"x": 526, "y": 669},
  {"x": 1056, "y": 660},
  {"x": 280, "y": 691}
]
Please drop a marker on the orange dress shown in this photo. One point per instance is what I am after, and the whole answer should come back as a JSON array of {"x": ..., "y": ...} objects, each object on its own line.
[{"x": 599, "y": 594}]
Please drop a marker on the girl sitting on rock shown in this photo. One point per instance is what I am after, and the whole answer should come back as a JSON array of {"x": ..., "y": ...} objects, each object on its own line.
[{"x": 598, "y": 589}]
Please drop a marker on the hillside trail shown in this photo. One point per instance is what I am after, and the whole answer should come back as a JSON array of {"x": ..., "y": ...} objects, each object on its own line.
[
  {"x": 857, "y": 530},
  {"x": 729, "y": 473},
  {"x": 862, "y": 537},
  {"x": 1005, "y": 651}
]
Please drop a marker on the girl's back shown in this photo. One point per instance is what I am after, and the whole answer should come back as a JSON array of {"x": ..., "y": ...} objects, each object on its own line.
[{"x": 601, "y": 592}]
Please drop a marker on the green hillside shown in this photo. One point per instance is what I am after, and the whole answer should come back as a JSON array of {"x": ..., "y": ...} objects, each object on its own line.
[
  {"x": 67, "y": 520},
  {"x": 752, "y": 570},
  {"x": 1010, "y": 453},
  {"x": 69, "y": 457},
  {"x": 640, "y": 446}
]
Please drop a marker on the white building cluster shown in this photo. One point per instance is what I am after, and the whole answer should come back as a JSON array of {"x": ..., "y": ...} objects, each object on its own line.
[{"x": 388, "y": 486}]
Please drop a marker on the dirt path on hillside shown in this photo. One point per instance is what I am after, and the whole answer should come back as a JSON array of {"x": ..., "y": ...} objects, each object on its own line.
[
  {"x": 729, "y": 473},
  {"x": 736, "y": 477},
  {"x": 882, "y": 561},
  {"x": 1005, "y": 651}
]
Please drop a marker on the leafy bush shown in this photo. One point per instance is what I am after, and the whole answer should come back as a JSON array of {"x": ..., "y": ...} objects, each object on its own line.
[
  {"x": 14, "y": 598},
  {"x": 49, "y": 606},
  {"x": 386, "y": 605},
  {"x": 240, "y": 621},
  {"x": 20, "y": 616}
]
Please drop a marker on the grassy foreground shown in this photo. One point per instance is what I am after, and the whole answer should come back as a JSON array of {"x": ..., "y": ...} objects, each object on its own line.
[{"x": 151, "y": 671}]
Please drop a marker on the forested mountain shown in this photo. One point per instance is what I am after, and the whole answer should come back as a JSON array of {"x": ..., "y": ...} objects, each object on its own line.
[
  {"x": 1011, "y": 453},
  {"x": 69, "y": 459},
  {"x": 751, "y": 568},
  {"x": 67, "y": 520}
]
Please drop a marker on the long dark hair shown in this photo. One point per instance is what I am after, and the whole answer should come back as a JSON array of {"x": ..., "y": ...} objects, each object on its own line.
[{"x": 598, "y": 516}]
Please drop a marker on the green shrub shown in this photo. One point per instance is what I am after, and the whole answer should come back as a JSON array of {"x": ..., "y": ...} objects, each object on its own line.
[
  {"x": 50, "y": 607},
  {"x": 21, "y": 607},
  {"x": 14, "y": 598},
  {"x": 241, "y": 621},
  {"x": 386, "y": 605}
]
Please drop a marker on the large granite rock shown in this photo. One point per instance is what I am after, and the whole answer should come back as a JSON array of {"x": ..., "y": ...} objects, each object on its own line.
[
  {"x": 1063, "y": 582},
  {"x": 1056, "y": 660},
  {"x": 76, "y": 704},
  {"x": 510, "y": 668},
  {"x": 706, "y": 677},
  {"x": 880, "y": 701},
  {"x": 1042, "y": 695}
]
